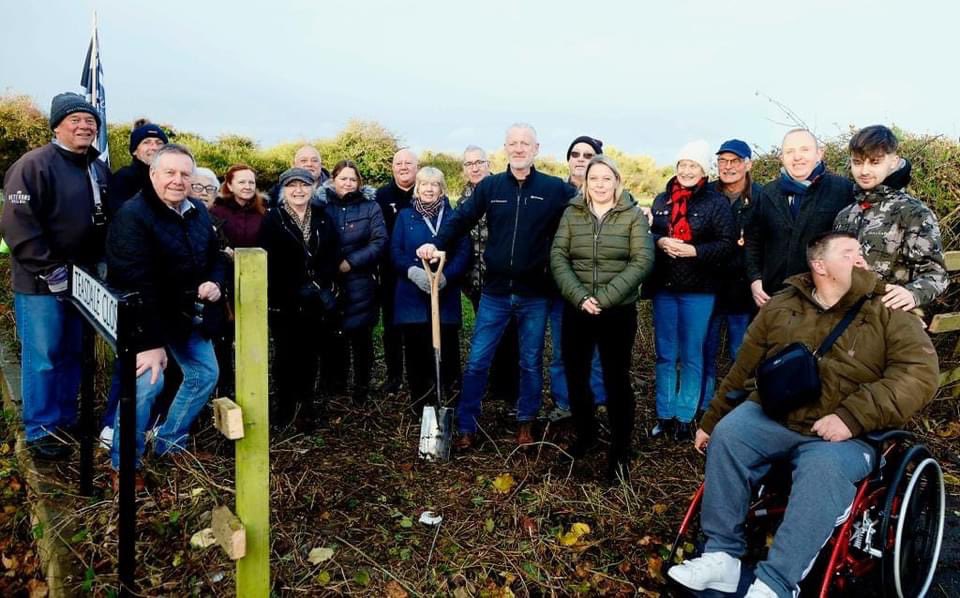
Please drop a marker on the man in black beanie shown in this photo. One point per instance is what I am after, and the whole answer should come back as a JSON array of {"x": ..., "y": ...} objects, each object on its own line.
[
  {"x": 53, "y": 217},
  {"x": 581, "y": 150},
  {"x": 145, "y": 140}
]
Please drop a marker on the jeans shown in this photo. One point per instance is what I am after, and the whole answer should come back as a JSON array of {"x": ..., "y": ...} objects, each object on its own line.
[
  {"x": 197, "y": 359},
  {"x": 558, "y": 378},
  {"x": 742, "y": 448},
  {"x": 51, "y": 339},
  {"x": 493, "y": 317},
  {"x": 504, "y": 372},
  {"x": 679, "y": 329},
  {"x": 736, "y": 329},
  {"x": 611, "y": 333}
]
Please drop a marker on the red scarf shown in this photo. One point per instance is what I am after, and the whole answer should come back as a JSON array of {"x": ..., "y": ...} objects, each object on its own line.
[{"x": 679, "y": 227}]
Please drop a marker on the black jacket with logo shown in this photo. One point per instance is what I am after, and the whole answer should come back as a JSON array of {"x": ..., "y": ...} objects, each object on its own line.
[
  {"x": 48, "y": 213},
  {"x": 522, "y": 219}
]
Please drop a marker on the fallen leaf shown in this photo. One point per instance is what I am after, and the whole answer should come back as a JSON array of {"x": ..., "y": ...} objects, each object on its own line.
[
  {"x": 319, "y": 555},
  {"x": 528, "y": 524},
  {"x": 362, "y": 577},
  {"x": 9, "y": 563},
  {"x": 395, "y": 590},
  {"x": 203, "y": 539},
  {"x": 659, "y": 508},
  {"x": 951, "y": 431},
  {"x": 37, "y": 588},
  {"x": 15, "y": 484},
  {"x": 488, "y": 525},
  {"x": 654, "y": 567},
  {"x": 504, "y": 483},
  {"x": 323, "y": 578},
  {"x": 577, "y": 530},
  {"x": 644, "y": 541}
]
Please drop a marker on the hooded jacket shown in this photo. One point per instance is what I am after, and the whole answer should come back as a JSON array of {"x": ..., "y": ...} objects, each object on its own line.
[
  {"x": 606, "y": 258},
  {"x": 522, "y": 218},
  {"x": 879, "y": 373},
  {"x": 363, "y": 240},
  {"x": 48, "y": 214}
]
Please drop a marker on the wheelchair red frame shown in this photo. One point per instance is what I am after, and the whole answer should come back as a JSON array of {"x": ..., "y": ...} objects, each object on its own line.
[{"x": 892, "y": 538}]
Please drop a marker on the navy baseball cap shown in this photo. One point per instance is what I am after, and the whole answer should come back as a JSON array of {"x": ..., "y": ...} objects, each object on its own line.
[{"x": 735, "y": 146}]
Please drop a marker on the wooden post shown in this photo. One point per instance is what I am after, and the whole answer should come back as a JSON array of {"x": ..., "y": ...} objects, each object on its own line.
[{"x": 253, "y": 450}]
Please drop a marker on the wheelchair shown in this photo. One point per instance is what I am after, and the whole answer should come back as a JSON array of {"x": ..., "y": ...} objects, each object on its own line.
[{"x": 889, "y": 545}]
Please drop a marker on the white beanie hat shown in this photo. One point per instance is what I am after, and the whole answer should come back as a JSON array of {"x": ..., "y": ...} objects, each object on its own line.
[{"x": 697, "y": 151}]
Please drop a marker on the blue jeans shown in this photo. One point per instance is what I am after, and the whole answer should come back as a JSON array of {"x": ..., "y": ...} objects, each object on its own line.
[
  {"x": 51, "y": 340},
  {"x": 742, "y": 448},
  {"x": 736, "y": 329},
  {"x": 197, "y": 359},
  {"x": 493, "y": 316},
  {"x": 679, "y": 329},
  {"x": 558, "y": 377}
]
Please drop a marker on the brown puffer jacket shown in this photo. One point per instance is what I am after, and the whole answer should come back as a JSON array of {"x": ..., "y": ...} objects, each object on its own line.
[{"x": 881, "y": 371}]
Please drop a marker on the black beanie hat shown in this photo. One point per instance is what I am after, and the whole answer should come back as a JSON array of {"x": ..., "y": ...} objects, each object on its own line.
[
  {"x": 65, "y": 104},
  {"x": 596, "y": 144},
  {"x": 146, "y": 131}
]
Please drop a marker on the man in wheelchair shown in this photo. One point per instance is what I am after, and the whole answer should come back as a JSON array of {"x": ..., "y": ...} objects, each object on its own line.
[{"x": 880, "y": 371}]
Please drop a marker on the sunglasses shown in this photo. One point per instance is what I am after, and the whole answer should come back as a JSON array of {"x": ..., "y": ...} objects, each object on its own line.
[{"x": 586, "y": 155}]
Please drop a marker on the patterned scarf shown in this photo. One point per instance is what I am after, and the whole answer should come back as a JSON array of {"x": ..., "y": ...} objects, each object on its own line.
[
  {"x": 797, "y": 190},
  {"x": 428, "y": 210},
  {"x": 303, "y": 225},
  {"x": 679, "y": 227}
]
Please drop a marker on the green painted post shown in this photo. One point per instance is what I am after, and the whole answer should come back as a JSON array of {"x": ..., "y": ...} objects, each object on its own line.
[{"x": 253, "y": 450}]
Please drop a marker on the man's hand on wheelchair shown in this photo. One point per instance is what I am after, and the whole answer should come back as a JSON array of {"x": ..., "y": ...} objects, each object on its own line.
[
  {"x": 701, "y": 440},
  {"x": 832, "y": 429}
]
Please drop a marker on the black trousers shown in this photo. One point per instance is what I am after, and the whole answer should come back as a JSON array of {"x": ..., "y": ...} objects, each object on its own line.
[
  {"x": 421, "y": 367},
  {"x": 392, "y": 336},
  {"x": 297, "y": 339},
  {"x": 505, "y": 370},
  {"x": 356, "y": 346},
  {"x": 612, "y": 333}
]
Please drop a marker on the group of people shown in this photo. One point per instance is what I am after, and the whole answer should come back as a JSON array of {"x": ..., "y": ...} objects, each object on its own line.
[{"x": 532, "y": 251}]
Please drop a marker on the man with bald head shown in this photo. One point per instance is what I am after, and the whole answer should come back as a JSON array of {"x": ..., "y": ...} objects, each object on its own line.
[
  {"x": 308, "y": 158},
  {"x": 393, "y": 197},
  {"x": 793, "y": 209},
  {"x": 522, "y": 208}
]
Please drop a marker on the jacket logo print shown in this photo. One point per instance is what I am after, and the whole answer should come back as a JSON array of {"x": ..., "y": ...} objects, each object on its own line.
[
  {"x": 19, "y": 198},
  {"x": 498, "y": 201},
  {"x": 537, "y": 197}
]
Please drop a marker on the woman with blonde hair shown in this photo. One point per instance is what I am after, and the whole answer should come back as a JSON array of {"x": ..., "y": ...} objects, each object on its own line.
[{"x": 601, "y": 253}]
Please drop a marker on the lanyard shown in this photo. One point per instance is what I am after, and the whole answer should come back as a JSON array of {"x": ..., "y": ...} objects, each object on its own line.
[{"x": 434, "y": 229}]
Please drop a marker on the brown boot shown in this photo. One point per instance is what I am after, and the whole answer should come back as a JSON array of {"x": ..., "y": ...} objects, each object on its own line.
[
  {"x": 525, "y": 433},
  {"x": 464, "y": 442}
]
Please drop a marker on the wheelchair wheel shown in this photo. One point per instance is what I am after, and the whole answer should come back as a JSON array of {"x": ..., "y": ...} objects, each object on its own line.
[{"x": 912, "y": 525}]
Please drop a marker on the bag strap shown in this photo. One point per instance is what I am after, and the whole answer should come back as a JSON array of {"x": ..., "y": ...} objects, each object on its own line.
[{"x": 839, "y": 328}]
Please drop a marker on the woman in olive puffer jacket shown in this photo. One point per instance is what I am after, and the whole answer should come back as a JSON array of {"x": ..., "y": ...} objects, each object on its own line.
[{"x": 601, "y": 253}]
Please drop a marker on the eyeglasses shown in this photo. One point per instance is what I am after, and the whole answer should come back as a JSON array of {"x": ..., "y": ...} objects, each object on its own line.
[
  {"x": 586, "y": 155},
  {"x": 201, "y": 188},
  {"x": 729, "y": 161},
  {"x": 474, "y": 163}
]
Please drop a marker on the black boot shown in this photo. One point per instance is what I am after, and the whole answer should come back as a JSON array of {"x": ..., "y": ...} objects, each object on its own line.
[
  {"x": 663, "y": 429},
  {"x": 683, "y": 432}
]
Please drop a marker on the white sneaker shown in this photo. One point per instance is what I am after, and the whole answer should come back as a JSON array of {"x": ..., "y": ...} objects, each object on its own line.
[
  {"x": 758, "y": 589},
  {"x": 106, "y": 437},
  {"x": 713, "y": 571}
]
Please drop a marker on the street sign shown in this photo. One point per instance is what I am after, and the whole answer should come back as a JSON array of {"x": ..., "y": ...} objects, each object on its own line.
[{"x": 96, "y": 300}]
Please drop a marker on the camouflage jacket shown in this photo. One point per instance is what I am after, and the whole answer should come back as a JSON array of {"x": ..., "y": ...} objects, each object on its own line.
[
  {"x": 478, "y": 238},
  {"x": 900, "y": 238}
]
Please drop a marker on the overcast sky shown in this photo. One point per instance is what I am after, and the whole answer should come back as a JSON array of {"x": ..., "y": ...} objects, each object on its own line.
[{"x": 645, "y": 77}]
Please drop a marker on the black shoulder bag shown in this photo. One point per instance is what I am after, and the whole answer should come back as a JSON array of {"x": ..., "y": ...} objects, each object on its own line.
[{"x": 790, "y": 379}]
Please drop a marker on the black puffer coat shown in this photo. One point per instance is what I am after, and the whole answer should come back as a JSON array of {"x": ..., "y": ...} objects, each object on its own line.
[
  {"x": 714, "y": 236},
  {"x": 363, "y": 240},
  {"x": 165, "y": 257}
]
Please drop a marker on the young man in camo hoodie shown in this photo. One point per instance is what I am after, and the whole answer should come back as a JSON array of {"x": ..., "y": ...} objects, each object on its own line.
[{"x": 898, "y": 233}]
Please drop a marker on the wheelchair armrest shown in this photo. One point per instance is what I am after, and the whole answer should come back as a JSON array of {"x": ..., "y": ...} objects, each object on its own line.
[{"x": 878, "y": 437}]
